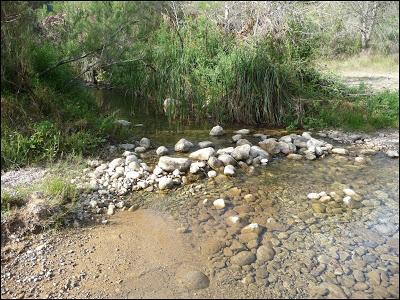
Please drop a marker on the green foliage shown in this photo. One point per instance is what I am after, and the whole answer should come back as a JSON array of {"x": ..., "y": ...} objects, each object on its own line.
[
  {"x": 60, "y": 190},
  {"x": 363, "y": 113}
]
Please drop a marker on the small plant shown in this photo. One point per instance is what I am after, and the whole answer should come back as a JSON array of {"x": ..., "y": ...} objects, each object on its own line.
[{"x": 60, "y": 190}]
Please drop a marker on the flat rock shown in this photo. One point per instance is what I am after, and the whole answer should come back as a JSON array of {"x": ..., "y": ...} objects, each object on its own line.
[
  {"x": 202, "y": 154},
  {"x": 169, "y": 164}
]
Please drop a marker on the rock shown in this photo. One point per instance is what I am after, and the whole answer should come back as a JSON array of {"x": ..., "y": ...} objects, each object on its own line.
[
  {"x": 140, "y": 149},
  {"x": 270, "y": 145},
  {"x": 165, "y": 183},
  {"x": 169, "y": 164},
  {"x": 340, "y": 151},
  {"x": 313, "y": 196},
  {"x": 215, "y": 163},
  {"x": 294, "y": 156},
  {"x": 265, "y": 253},
  {"x": 122, "y": 122},
  {"x": 133, "y": 175},
  {"x": 206, "y": 144},
  {"x": 318, "y": 207},
  {"x": 253, "y": 227},
  {"x": 310, "y": 156},
  {"x": 236, "y": 137},
  {"x": 183, "y": 145},
  {"x": 241, "y": 152},
  {"x": 145, "y": 142},
  {"x": 115, "y": 163},
  {"x": 127, "y": 146},
  {"x": 358, "y": 276},
  {"x": 212, "y": 246},
  {"x": 359, "y": 160},
  {"x": 243, "y": 142},
  {"x": 130, "y": 158},
  {"x": 233, "y": 220},
  {"x": 349, "y": 192},
  {"x": 256, "y": 151},
  {"x": 212, "y": 174},
  {"x": 392, "y": 153},
  {"x": 347, "y": 200},
  {"x": 194, "y": 168},
  {"x": 243, "y": 258},
  {"x": 162, "y": 150},
  {"x": 286, "y": 148},
  {"x": 227, "y": 150},
  {"x": 202, "y": 154},
  {"x": 110, "y": 210},
  {"x": 219, "y": 203},
  {"x": 243, "y": 131},
  {"x": 194, "y": 280},
  {"x": 229, "y": 170},
  {"x": 227, "y": 159},
  {"x": 300, "y": 141},
  {"x": 216, "y": 131},
  {"x": 286, "y": 139},
  {"x": 157, "y": 170}
]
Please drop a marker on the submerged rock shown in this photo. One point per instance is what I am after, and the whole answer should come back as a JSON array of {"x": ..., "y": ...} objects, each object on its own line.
[{"x": 243, "y": 258}]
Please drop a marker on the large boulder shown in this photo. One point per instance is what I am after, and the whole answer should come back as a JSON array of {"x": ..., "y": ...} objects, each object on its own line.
[
  {"x": 286, "y": 148},
  {"x": 227, "y": 150},
  {"x": 256, "y": 151},
  {"x": 202, "y": 154},
  {"x": 215, "y": 163},
  {"x": 227, "y": 159},
  {"x": 169, "y": 164},
  {"x": 241, "y": 152},
  {"x": 216, "y": 131},
  {"x": 300, "y": 141},
  {"x": 183, "y": 145},
  {"x": 270, "y": 145}
]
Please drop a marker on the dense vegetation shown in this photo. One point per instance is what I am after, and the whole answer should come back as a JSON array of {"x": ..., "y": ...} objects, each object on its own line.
[{"x": 48, "y": 51}]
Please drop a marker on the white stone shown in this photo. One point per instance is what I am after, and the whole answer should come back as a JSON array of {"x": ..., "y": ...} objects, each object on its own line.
[
  {"x": 349, "y": 192},
  {"x": 169, "y": 164},
  {"x": 347, "y": 200},
  {"x": 219, "y": 203},
  {"x": 212, "y": 174},
  {"x": 133, "y": 175},
  {"x": 229, "y": 170},
  {"x": 165, "y": 183},
  {"x": 233, "y": 219},
  {"x": 202, "y": 154},
  {"x": 162, "y": 150},
  {"x": 183, "y": 145},
  {"x": 217, "y": 130},
  {"x": 340, "y": 151},
  {"x": 313, "y": 196}
]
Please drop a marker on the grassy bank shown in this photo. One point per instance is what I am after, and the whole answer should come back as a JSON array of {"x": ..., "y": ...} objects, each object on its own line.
[{"x": 214, "y": 75}]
